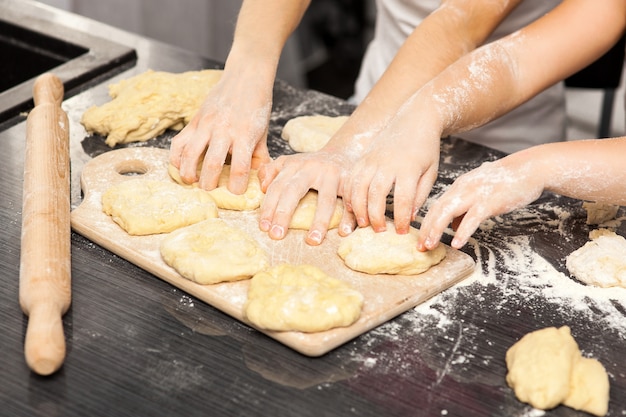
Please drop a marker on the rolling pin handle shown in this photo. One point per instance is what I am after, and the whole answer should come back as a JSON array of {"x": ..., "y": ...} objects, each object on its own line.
[
  {"x": 48, "y": 88},
  {"x": 44, "y": 345}
]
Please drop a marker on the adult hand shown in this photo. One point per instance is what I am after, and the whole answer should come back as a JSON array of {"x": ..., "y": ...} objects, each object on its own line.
[
  {"x": 233, "y": 120},
  {"x": 491, "y": 189},
  {"x": 287, "y": 179}
]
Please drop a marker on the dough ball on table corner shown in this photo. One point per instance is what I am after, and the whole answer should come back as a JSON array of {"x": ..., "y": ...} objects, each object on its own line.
[
  {"x": 387, "y": 252},
  {"x": 213, "y": 251},
  {"x": 311, "y": 133},
  {"x": 301, "y": 298},
  {"x": 249, "y": 200},
  {"x": 144, "y": 207},
  {"x": 546, "y": 368},
  {"x": 146, "y": 105},
  {"x": 601, "y": 261}
]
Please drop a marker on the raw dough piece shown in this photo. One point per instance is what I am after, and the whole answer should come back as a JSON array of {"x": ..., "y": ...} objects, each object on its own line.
[
  {"x": 387, "y": 252},
  {"x": 147, "y": 104},
  {"x": 311, "y": 133},
  {"x": 301, "y": 298},
  {"x": 249, "y": 200},
  {"x": 213, "y": 251},
  {"x": 589, "y": 387},
  {"x": 601, "y": 261},
  {"x": 305, "y": 212},
  {"x": 598, "y": 213},
  {"x": 545, "y": 369},
  {"x": 145, "y": 207}
]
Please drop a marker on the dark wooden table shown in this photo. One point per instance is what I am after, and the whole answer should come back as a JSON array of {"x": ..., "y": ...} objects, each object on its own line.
[{"x": 140, "y": 347}]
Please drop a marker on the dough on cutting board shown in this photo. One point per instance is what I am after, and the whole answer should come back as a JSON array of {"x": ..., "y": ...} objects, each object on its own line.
[
  {"x": 145, "y": 105},
  {"x": 546, "y": 368},
  {"x": 311, "y": 133},
  {"x": 249, "y": 200},
  {"x": 144, "y": 207},
  {"x": 301, "y": 298},
  {"x": 387, "y": 252},
  {"x": 305, "y": 212},
  {"x": 601, "y": 261},
  {"x": 212, "y": 251}
]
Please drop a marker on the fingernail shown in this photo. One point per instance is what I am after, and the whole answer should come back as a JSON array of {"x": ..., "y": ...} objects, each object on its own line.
[
  {"x": 346, "y": 229},
  {"x": 315, "y": 236},
  {"x": 361, "y": 221},
  {"x": 457, "y": 243},
  {"x": 265, "y": 225},
  {"x": 277, "y": 232}
]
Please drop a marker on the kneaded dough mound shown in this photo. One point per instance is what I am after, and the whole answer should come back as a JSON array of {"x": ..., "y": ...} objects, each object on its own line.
[
  {"x": 249, "y": 200},
  {"x": 546, "y": 368},
  {"x": 301, "y": 298},
  {"x": 147, "y": 104},
  {"x": 145, "y": 207},
  {"x": 387, "y": 252},
  {"x": 601, "y": 261},
  {"x": 311, "y": 133},
  {"x": 213, "y": 251}
]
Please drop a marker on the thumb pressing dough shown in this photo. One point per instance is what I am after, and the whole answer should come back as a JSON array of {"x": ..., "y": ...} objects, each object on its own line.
[
  {"x": 545, "y": 369},
  {"x": 213, "y": 251},
  {"x": 387, "y": 252},
  {"x": 301, "y": 298},
  {"x": 249, "y": 200},
  {"x": 147, "y": 104},
  {"x": 311, "y": 133},
  {"x": 145, "y": 207}
]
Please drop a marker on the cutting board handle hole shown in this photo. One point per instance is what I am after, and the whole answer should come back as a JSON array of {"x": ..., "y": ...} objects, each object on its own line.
[{"x": 132, "y": 167}]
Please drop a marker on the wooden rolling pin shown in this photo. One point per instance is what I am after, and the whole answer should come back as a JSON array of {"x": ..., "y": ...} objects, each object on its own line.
[{"x": 45, "y": 266}]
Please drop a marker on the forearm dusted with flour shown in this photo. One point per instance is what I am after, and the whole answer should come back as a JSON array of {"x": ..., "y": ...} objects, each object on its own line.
[
  {"x": 454, "y": 29},
  {"x": 500, "y": 76}
]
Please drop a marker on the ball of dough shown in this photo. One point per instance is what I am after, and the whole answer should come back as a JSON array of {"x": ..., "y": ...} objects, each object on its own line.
[
  {"x": 387, "y": 252},
  {"x": 539, "y": 366},
  {"x": 301, "y": 298},
  {"x": 213, "y": 251},
  {"x": 601, "y": 261},
  {"x": 546, "y": 368},
  {"x": 305, "y": 212},
  {"x": 145, "y": 207},
  {"x": 145, "y": 105},
  {"x": 249, "y": 200},
  {"x": 311, "y": 133}
]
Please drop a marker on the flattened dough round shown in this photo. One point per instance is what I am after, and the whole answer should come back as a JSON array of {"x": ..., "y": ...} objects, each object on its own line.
[
  {"x": 305, "y": 212},
  {"x": 145, "y": 105},
  {"x": 601, "y": 261},
  {"x": 301, "y": 298},
  {"x": 249, "y": 200},
  {"x": 213, "y": 251},
  {"x": 311, "y": 133},
  {"x": 387, "y": 252},
  {"x": 145, "y": 207},
  {"x": 546, "y": 368}
]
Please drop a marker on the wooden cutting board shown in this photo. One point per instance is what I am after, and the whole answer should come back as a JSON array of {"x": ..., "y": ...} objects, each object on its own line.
[{"x": 386, "y": 296}]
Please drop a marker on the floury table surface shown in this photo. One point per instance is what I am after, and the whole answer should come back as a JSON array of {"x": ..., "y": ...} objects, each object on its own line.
[{"x": 138, "y": 346}]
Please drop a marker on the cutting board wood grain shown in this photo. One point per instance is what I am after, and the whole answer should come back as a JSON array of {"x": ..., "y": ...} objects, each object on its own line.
[{"x": 386, "y": 296}]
